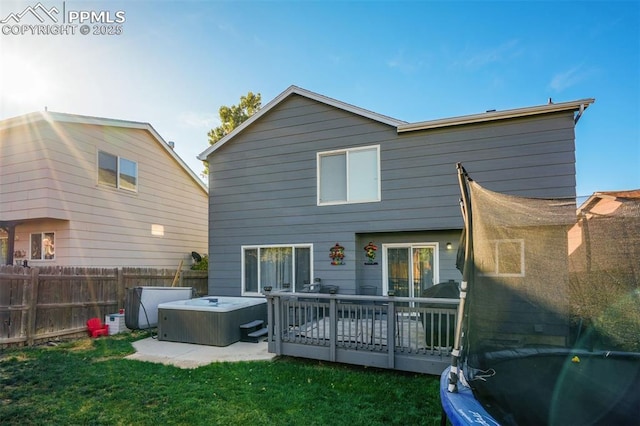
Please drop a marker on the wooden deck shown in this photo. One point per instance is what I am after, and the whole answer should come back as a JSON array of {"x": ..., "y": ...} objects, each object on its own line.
[{"x": 410, "y": 334}]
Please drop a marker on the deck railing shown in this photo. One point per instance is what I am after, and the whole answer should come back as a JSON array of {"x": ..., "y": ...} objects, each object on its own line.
[{"x": 403, "y": 333}]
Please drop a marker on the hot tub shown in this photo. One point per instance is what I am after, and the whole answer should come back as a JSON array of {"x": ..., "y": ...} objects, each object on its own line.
[
  {"x": 141, "y": 304},
  {"x": 210, "y": 320}
]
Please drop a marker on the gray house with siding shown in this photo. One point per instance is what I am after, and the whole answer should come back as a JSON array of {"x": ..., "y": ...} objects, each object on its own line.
[{"x": 299, "y": 190}]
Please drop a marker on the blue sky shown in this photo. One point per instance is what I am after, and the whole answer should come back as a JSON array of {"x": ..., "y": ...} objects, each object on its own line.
[{"x": 176, "y": 63}]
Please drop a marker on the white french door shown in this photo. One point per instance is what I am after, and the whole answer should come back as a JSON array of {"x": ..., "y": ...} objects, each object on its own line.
[{"x": 410, "y": 268}]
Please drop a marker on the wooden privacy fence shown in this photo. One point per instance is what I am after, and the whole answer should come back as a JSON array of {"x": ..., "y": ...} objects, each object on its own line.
[{"x": 39, "y": 304}]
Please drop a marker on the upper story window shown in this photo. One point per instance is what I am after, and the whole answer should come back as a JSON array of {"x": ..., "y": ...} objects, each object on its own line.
[
  {"x": 43, "y": 246},
  {"x": 349, "y": 176},
  {"x": 117, "y": 172}
]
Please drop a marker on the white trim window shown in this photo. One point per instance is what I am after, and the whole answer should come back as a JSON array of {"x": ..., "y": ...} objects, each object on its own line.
[
  {"x": 506, "y": 260},
  {"x": 117, "y": 172},
  {"x": 408, "y": 269},
  {"x": 281, "y": 267},
  {"x": 349, "y": 176},
  {"x": 43, "y": 246}
]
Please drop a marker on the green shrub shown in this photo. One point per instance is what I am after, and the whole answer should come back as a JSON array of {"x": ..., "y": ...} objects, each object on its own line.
[{"x": 203, "y": 265}]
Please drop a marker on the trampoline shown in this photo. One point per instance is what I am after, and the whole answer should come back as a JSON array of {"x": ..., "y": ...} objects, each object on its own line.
[{"x": 549, "y": 330}]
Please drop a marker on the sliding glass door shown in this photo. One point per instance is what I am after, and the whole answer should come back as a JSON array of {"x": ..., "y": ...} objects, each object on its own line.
[{"x": 410, "y": 268}]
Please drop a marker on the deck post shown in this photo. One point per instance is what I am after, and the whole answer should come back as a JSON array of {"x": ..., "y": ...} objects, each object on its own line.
[
  {"x": 333, "y": 330},
  {"x": 277, "y": 329},
  {"x": 270, "y": 319},
  {"x": 391, "y": 335}
]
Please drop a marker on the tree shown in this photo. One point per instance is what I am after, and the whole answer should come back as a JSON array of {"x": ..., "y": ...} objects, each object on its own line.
[{"x": 233, "y": 116}]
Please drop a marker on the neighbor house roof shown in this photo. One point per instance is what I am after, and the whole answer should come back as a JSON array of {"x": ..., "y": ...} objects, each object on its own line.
[
  {"x": 402, "y": 126},
  {"x": 630, "y": 194},
  {"x": 99, "y": 121},
  {"x": 612, "y": 198}
]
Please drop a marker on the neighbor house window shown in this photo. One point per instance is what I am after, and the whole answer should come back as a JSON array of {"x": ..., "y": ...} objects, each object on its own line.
[
  {"x": 43, "y": 246},
  {"x": 349, "y": 176},
  {"x": 4, "y": 248},
  {"x": 507, "y": 259},
  {"x": 117, "y": 172},
  {"x": 281, "y": 267}
]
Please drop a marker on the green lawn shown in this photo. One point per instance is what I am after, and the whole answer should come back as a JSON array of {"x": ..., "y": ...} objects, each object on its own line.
[{"x": 88, "y": 382}]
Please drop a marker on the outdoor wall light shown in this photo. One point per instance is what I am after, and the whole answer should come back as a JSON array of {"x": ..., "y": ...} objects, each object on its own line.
[{"x": 449, "y": 246}]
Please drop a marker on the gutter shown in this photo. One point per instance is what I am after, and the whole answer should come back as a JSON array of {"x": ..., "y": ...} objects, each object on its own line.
[{"x": 579, "y": 105}]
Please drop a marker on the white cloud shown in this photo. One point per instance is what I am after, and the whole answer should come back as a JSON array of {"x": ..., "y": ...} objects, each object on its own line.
[
  {"x": 335, "y": 58},
  {"x": 570, "y": 77},
  {"x": 228, "y": 28},
  {"x": 406, "y": 63},
  {"x": 194, "y": 119},
  {"x": 506, "y": 50}
]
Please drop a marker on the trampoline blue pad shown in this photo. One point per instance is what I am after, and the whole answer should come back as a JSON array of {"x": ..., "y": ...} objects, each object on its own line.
[{"x": 461, "y": 407}]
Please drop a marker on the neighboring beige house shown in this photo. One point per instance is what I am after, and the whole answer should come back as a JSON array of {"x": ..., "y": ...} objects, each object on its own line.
[
  {"x": 606, "y": 233},
  {"x": 99, "y": 192}
]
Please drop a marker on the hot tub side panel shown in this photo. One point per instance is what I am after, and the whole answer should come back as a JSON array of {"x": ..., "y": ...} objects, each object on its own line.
[
  {"x": 141, "y": 304},
  {"x": 206, "y": 327}
]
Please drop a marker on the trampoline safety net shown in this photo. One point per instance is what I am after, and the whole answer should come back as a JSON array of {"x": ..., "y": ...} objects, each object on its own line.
[
  {"x": 550, "y": 273},
  {"x": 549, "y": 278}
]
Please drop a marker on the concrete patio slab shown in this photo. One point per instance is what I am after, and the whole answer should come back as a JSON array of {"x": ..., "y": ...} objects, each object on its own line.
[{"x": 186, "y": 355}]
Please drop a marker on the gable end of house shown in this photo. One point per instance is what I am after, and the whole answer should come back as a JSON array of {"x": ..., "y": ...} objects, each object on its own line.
[{"x": 29, "y": 119}]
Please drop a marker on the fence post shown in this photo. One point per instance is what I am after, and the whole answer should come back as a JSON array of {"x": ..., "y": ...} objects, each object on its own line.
[
  {"x": 120, "y": 287},
  {"x": 33, "y": 305}
]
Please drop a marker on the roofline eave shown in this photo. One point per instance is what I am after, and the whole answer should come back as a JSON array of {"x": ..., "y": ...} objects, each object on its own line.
[
  {"x": 291, "y": 90},
  {"x": 579, "y": 105}
]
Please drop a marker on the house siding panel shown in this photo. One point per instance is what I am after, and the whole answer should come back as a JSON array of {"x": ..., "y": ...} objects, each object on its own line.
[
  {"x": 49, "y": 171},
  {"x": 263, "y": 182}
]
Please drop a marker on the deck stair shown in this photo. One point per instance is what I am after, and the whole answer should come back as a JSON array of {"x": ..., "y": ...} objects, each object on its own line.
[{"x": 253, "y": 331}]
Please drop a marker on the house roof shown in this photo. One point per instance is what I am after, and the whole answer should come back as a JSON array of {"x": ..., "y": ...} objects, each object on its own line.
[
  {"x": 295, "y": 90},
  {"x": 579, "y": 105},
  {"x": 614, "y": 198},
  {"x": 403, "y": 126},
  {"x": 630, "y": 194},
  {"x": 100, "y": 121}
]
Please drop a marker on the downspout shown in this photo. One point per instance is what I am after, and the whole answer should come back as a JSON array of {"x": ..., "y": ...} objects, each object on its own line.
[{"x": 579, "y": 114}]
